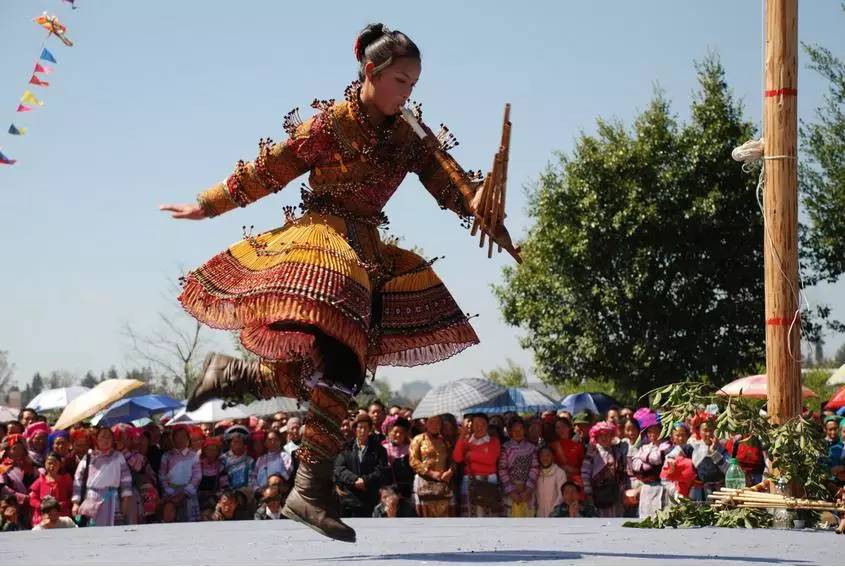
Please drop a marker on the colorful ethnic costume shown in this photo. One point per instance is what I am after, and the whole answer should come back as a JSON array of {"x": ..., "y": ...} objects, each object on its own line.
[{"x": 323, "y": 299}]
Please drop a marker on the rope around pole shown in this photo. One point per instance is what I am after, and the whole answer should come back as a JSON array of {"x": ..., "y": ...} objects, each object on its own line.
[{"x": 751, "y": 154}]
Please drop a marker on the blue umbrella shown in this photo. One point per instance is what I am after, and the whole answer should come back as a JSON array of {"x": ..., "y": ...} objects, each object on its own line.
[
  {"x": 130, "y": 409},
  {"x": 576, "y": 403},
  {"x": 517, "y": 400}
]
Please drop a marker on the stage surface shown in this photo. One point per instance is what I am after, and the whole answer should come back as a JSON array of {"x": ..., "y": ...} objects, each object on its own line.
[{"x": 416, "y": 541}]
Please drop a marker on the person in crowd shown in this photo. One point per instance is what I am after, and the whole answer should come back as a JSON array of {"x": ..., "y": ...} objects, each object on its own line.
[
  {"x": 27, "y": 416},
  {"x": 102, "y": 480},
  {"x": 257, "y": 444},
  {"x": 647, "y": 464},
  {"x": 398, "y": 447},
  {"x": 549, "y": 482},
  {"x": 17, "y": 475},
  {"x": 582, "y": 422},
  {"x": 479, "y": 453},
  {"x": 167, "y": 512},
  {"x": 572, "y": 505},
  {"x": 392, "y": 505},
  {"x": 126, "y": 441},
  {"x": 273, "y": 461},
  {"x": 831, "y": 430},
  {"x": 51, "y": 516},
  {"x": 11, "y": 521},
  {"x": 229, "y": 508},
  {"x": 36, "y": 434},
  {"x": 518, "y": 472},
  {"x": 626, "y": 413},
  {"x": 569, "y": 453},
  {"x": 378, "y": 414},
  {"x": 836, "y": 458},
  {"x": 270, "y": 507},
  {"x": 180, "y": 475},
  {"x": 154, "y": 452},
  {"x": 431, "y": 458},
  {"x": 58, "y": 442},
  {"x": 614, "y": 417},
  {"x": 709, "y": 458},
  {"x": 80, "y": 443},
  {"x": 534, "y": 431},
  {"x": 197, "y": 437},
  {"x": 52, "y": 483},
  {"x": 214, "y": 478},
  {"x": 294, "y": 435},
  {"x": 360, "y": 470},
  {"x": 630, "y": 440},
  {"x": 236, "y": 460},
  {"x": 750, "y": 456},
  {"x": 603, "y": 470}
]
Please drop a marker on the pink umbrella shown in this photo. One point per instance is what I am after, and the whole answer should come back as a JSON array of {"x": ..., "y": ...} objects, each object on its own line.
[{"x": 756, "y": 387}]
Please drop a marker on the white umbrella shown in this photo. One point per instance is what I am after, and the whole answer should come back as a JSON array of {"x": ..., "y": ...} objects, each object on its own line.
[
  {"x": 8, "y": 414},
  {"x": 274, "y": 405},
  {"x": 209, "y": 412},
  {"x": 838, "y": 377},
  {"x": 455, "y": 397},
  {"x": 57, "y": 398}
]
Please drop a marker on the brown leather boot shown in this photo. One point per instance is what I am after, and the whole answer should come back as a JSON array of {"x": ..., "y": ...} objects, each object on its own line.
[
  {"x": 225, "y": 377},
  {"x": 313, "y": 502}
]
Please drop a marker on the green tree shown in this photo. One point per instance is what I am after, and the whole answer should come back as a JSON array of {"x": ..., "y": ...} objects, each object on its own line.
[
  {"x": 89, "y": 380},
  {"x": 822, "y": 171},
  {"x": 509, "y": 375},
  {"x": 644, "y": 264},
  {"x": 839, "y": 357}
]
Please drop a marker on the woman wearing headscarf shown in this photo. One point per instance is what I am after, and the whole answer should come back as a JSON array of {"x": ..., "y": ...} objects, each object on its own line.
[
  {"x": 180, "y": 476},
  {"x": 518, "y": 472},
  {"x": 126, "y": 439},
  {"x": 102, "y": 480},
  {"x": 398, "y": 447},
  {"x": 603, "y": 470},
  {"x": 36, "y": 434},
  {"x": 214, "y": 478},
  {"x": 17, "y": 474},
  {"x": 648, "y": 463}
]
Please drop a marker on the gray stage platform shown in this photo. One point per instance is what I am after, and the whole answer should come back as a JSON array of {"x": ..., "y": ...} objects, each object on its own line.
[{"x": 416, "y": 541}]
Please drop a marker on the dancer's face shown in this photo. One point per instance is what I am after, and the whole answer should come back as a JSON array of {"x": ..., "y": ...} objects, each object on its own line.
[{"x": 392, "y": 86}]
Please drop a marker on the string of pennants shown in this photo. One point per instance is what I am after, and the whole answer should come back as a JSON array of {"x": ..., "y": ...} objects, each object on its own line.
[{"x": 29, "y": 101}]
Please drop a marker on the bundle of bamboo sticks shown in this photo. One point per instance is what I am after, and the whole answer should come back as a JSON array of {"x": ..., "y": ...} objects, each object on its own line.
[
  {"x": 491, "y": 210},
  {"x": 751, "y": 498}
]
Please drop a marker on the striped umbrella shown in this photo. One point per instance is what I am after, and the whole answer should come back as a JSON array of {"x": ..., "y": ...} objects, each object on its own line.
[
  {"x": 455, "y": 397},
  {"x": 517, "y": 400}
]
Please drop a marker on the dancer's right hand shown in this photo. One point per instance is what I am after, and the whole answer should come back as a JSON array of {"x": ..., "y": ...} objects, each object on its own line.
[{"x": 191, "y": 211}]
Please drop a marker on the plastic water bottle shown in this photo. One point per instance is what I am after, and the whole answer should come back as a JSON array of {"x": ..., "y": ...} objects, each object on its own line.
[{"x": 735, "y": 476}]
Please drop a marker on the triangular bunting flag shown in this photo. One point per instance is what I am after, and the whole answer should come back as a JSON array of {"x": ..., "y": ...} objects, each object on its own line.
[
  {"x": 7, "y": 161},
  {"x": 38, "y": 82},
  {"x": 22, "y": 108},
  {"x": 15, "y": 131},
  {"x": 30, "y": 98},
  {"x": 39, "y": 68},
  {"x": 47, "y": 56}
]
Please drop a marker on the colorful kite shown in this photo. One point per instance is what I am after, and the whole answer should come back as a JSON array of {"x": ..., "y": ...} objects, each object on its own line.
[
  {"x": 54, "y": 26},
  {"x": 15, "y": 131}
]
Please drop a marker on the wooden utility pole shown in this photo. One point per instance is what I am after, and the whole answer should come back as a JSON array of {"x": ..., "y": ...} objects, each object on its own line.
[{"x": 780, "y": 130}]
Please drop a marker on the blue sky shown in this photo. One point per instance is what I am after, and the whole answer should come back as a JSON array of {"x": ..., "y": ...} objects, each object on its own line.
[{"x": 159, "y": 99}]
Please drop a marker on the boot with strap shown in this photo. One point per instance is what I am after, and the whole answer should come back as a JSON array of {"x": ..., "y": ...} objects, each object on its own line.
[
  {"x": 230, "y": 378},
  {"x": 313, "y": 500},
  {"x": 314, "y": 503}
]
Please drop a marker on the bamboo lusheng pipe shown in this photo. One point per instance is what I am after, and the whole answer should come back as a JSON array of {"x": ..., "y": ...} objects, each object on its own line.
[
  {"x": 750, "y": 494},
  {"x": 461, "y": 180}
]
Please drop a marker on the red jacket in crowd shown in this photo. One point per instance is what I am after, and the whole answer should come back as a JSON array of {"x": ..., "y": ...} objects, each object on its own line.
[{"x": 479, "y": 459}]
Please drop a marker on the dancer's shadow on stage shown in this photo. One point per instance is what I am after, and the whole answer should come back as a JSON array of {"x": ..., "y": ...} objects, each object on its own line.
[{"x": 544, "y": 556}]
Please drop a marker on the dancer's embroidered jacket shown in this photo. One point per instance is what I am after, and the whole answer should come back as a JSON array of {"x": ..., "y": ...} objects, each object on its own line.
[{"x": 329, "y": 269}]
